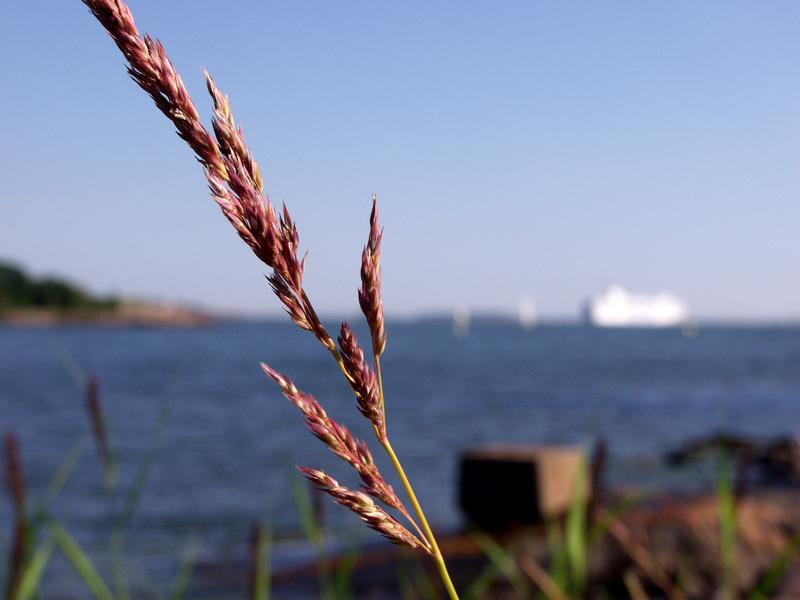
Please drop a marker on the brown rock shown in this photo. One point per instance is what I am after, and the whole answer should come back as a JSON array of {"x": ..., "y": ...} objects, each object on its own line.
[{"x": 506, "y": 485}]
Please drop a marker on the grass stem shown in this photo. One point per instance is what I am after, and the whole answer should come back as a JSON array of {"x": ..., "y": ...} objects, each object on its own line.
[
  {"x": 380, "y": 387},
  {"x": 437, "y": 554}
]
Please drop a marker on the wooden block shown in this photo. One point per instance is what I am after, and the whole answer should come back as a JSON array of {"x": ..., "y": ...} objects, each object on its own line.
[{"x": 502, "y": 486}]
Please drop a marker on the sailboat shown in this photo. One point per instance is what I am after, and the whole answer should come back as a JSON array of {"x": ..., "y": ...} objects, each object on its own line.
[
  {"x": 461, "y": 320},
  {"x": 527, "y": 315}
]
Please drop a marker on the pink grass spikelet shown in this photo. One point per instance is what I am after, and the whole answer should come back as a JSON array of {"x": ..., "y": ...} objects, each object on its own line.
[
  {"x": 14, "y": 477},
  {"x": 150, "y": 67},
  {"x": 339, "y": 440},
  {"x": 16, "y": 488},
  {"x": 373, "y": 516},
  {"x": 95, "y": 410},
  {"x": 233, "y": 175},
  {"x": 292, "y": 268},
  {"x": 364, "y": 382},
  {"x": 230, "y": 138},
  {"x": 369, "y": 295},
  {"x": 16, "y": 557},
  {"x": 294, "y": 308},
  {"x": 258, "y": 538}
]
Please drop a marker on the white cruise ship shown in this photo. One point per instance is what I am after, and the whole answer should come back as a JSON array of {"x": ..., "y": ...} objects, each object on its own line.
[{"x": 617, "y": 307}]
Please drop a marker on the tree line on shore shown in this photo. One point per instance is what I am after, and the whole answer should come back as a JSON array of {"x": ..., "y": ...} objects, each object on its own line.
[{"x": 19, "y": 290}]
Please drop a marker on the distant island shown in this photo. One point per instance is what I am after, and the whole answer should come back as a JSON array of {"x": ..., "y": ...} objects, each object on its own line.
[{"x": 26, "y": 300}]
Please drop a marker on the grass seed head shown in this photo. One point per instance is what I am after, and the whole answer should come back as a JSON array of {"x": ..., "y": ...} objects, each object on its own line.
[
  {"x": 150, "y": 67},
  {"x": 97, "y": 421},
  {"x": 14, "y": 477},
  {"x": 230, "y": 138},
  {"x": 371, "y": 514},
  {"x": 233, "y": 175},
  {"x": 369, "y": 295},
  {"x": 364, "y": 382},
  {"x": 339, "y": 440}
]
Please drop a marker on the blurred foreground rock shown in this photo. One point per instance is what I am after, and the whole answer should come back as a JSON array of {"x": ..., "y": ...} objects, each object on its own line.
[
  {"x": 775, "y": 460},
  {"x": 503, "y": 486}
]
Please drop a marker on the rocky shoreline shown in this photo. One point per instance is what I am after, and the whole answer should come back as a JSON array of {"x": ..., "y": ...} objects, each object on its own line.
[
  {"x": 663, "y": 545},
  {"x": 126, "y": 314}
]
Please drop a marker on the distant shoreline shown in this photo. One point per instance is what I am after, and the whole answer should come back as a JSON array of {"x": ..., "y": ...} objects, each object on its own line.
[
  {"x": 126, "y": 314},
  {"x": 146, "y": 313}
]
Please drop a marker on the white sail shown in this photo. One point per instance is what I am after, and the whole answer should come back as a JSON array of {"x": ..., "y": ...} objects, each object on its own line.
[
  {"x": 461, "y": 320},
  {"x": 527, "y": 314}
]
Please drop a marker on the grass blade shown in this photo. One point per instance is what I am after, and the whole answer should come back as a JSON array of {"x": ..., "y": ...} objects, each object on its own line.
[
  {"x": 64, "y": 472},
  {"x": 727, "y": 528},
  {"x": 119, "y": 569},
  {"x": 71, "y": 365},
  {"x": 540, "y": 577},
  {"x": 634, "y": 585},
  {"x": 426, "y": 584},
  {"x": 32, "y": 575},
  {"x": 315, "y": 536},
  {"x": 613, "y": 514},
  {"x": 81, "y": 564},
  {"x": 262, "y": 567},
  {"x": 131, "y": 502},
  {"x": 504, "y": 561},
  {"x": 777, "y": 569},
  {"x": 479, "y": 586},
  {"x": 576, "y": 533},
  {"x": 344, "y": 573},
  {"x": 135, "y": 492},
  {"x": 405, "y": 585},
  {"x": 184, "y": 576},
  {"x": 559, "y": 561},
  {"x": 54, "y": 487}
]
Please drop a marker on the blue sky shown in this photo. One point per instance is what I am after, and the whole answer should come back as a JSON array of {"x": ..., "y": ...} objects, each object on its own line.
[{"x": 518, "y": 149}]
